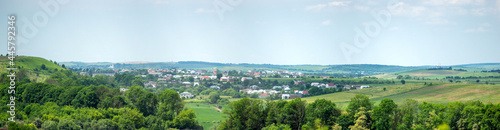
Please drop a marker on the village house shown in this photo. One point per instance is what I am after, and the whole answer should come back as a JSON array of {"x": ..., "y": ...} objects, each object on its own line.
[
  {"x": 287, "y": 89},
  {"x": 290, "y": 96},
  {"x": 300, "y": 92},
  {"x": 106, "y": 74},
  {"x": 186, "y": 95},
  {"x": 264, "y": 95},
  {"x": 298, "y": 82},
  {"x": 272, "y": 91},
  {"x": 83, "y": 73},
  {"x": 226, "y": 79},
  {"x": 162, "y": 79},
  {"x": 254, "y": 87},
  {"x": 215, "y": 87},
  {"x": 172, "y": 82},
  {"x": 285, "y": 96},
  {"x": 123, "y": 89},
  {"x": 150, "y": 84},
  {"x": 348, "y": 87},
  {"x": 238, "y": 86},
  {"x": 155, "y": 73},
  {"x": 365, "y": 86},
  {"x": 331, "y": 85},
  {"x": 188, "y": 84},
  {"x": 293, "y": 96},
  {"x": 256, "y": 91},
  {"x": 204, "y": 78},
  {"x": 246, "y": 78}
]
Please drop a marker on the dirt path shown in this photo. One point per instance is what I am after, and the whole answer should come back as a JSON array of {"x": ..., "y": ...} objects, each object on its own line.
[{"x": 218, "y": 109}]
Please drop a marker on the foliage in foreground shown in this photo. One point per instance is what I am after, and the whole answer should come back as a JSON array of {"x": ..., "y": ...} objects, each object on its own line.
[{"x": 360, "y": 114}]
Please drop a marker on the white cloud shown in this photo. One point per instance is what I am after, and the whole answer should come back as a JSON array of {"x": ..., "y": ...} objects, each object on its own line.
[
  {"x": 319, "y": 7},
  {"x": 201, "y": 10},
  {"x": 473, "y": 30},
  {"x": 453, "y": 2},
  {"x": 498, "y": 5},
  {"x": 410, "y": 10},
  {"x": 326, "y": 23},
  {"x": 394, "y": 28},
  {"x": 339, "y": 3},
  {"x": 362, "y": 8},
  {"x": 438, "y": 21},
  {"x": 479, "y": 11},
  {"x": 428, "y": 14},
  {"x": 485, "y": 24},
  {"x": 260, "y": 22},
  {"x": 161, "y": 1},
  {"x": 315, "y": 7},
  {"x": 481, "y": 28}
]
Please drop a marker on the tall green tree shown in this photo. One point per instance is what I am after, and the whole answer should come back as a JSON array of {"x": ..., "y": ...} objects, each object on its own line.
[
  {"x": 147, "y": 103},
  {"x": 345, "y": 121},
  {"x": 295, "y": 113},
  {"x": 322, "y": 109},
  {"x": 363, "y": 120},
  {"x": 86, "y": 97},
  {"x": 383, "y": 114},
  {"x": 274, "y": 111},
  {"x": 357, "y": 102},
  {"x": 34, "y": 92},
  {"x": 186, "y": 120},
  {"x": 244, "y": 114},
  {"x": 454, "y": 113},
  {"x": 214, "y": 97},
  {"x": 409, "y": 111},
  {"x": 171, "y": 104},
  {"x": 68, "y": 125}
]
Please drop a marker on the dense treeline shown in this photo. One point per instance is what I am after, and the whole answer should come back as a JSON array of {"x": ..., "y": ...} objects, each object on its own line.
[
  {"x": 361, "y": 114},
  {"x": 70, "y": 101}
]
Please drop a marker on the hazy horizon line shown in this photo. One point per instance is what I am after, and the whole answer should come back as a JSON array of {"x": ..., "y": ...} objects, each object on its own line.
[{"x": 146, "y": 62}]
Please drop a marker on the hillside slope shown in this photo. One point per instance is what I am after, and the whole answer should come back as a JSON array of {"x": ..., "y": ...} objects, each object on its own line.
[
  {"x": 439, "y": 73},
  {"x": 437, "y": 93},
  {"x": 32, "y": 67}
]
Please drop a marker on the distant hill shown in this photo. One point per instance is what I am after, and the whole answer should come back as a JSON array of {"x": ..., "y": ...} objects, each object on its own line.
[
  {"x": 353, "y": 70},
  {"x": 481, "y": 65},
  {"x": 348, "y": 70},
  {"x": 470, "y": 71}
]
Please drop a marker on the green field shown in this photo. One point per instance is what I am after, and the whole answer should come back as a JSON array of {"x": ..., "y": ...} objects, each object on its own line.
[
  {"x": 374, "y": 92},
  {"x": 437, "y": 93},
  {"x": 207, "y": 114},
  {"x": 433, "y": 74}
]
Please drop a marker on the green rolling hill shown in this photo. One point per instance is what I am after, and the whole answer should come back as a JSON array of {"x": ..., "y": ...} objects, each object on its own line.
[
  {"x": 440, "y": 73},
  {"x": 31, "y": 67},
  {"x": 437, "y": 93}
]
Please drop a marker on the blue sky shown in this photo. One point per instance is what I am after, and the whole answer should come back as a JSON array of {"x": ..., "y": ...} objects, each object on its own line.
[{"x": 424, "y": 32}]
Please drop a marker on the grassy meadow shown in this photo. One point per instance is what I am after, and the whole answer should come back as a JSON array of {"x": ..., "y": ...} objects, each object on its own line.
[
  {"x": 30, "y": 63},
  {"x": 439, "y": 74},
  {"x": 436, "y": 93},
  {"x": 207, "y": 114}
]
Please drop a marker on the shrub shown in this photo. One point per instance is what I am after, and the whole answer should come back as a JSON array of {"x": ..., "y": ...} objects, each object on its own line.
[
  {"x": 49, "y": 125},
  {"x": 67, "y": 125}
]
